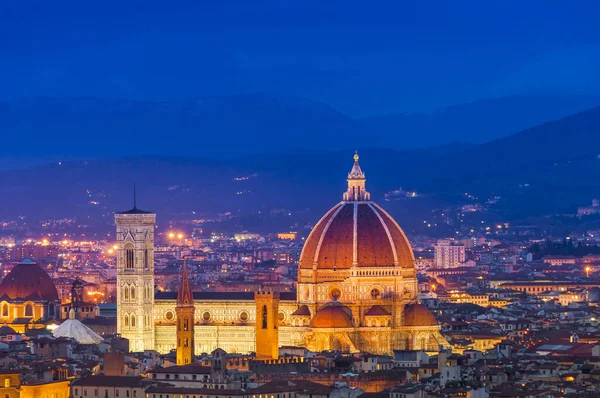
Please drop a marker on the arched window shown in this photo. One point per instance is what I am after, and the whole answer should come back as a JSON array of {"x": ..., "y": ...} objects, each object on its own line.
[
  {"x": 126, "y": 293},
  {"x": 185, "y": 342},
  {"x": 133, "y": 321},
  {"x": 146, "y": 258},
  {"x": 264, "y": 317},
  {"x": 29, "y": 310},
  {"x": 125, "y": 321},
  {"x": 185, "y": 325},
  {"x": 132, "y": 294},
  {"x": 5, "y": 309},
  {"x": 129, "y": 257}
]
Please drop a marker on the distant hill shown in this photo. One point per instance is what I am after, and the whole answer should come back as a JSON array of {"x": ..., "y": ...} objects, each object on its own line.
[
  {"x": 479, "y": 121},
  {"x": 552, "y": 167},
  {"x": 231, "y": 126},
  {"x": 546, "y": 169},
  {"x": 215, "y": 126}
]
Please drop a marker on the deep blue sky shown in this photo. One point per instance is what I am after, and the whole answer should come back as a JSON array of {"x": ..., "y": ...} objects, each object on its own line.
[{"x": 362, "y": 57}]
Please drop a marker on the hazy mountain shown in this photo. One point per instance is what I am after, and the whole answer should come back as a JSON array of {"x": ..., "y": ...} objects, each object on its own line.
[
  {"x": 225, "y": 127},
  {"x": 479, "y": 121},
  {"x": 216, "y": 127},
  {"x": 552, "y": 167}
]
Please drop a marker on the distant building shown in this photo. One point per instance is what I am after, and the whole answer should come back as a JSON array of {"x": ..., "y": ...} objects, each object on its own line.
[
  {"x": 589, "y": 210},
  {"x": 448, "y": 254},
  {"x": 56, "y": 386},
  {"x": 556, "y": 261},
  {"x": 287, "y": 235}
]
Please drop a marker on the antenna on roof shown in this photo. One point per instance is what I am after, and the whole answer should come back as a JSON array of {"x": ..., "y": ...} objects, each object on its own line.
[{"x": 134, "y": 197}]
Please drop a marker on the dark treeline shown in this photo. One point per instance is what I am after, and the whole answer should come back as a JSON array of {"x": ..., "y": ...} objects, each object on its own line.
[{"x": 566, "y": 247}]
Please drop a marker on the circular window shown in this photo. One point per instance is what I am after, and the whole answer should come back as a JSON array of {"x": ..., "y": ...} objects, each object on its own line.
[
  {"x": 206, "y": 316},
  {"x": 281, "y": 316},
  {"x": 244, "y": 316},
  {"x": 169, "y": 315},
  {"x": 335, "y": 294},
  {"x": 375, "y": 294}
]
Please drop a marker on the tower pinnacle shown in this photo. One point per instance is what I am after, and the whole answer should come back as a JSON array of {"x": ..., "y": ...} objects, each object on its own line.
[
  {"x": 185, "y": 296},
  {"x": 356, "y": 183}
]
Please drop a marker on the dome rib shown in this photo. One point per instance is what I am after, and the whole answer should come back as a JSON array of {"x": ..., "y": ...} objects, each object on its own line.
[
  {"x": 388, "y": 233},
  {"x": 309, "y": 245},
  {"x": 408, "y": 257},
  {"x": 324, "y": 234}
]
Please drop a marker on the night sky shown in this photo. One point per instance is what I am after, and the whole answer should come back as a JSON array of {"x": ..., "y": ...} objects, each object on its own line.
[{"x": 363, "y": 58}]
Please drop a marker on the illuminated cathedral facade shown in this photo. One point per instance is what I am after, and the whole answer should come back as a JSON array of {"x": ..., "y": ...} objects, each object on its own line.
[{"x": 356, "y": 292}]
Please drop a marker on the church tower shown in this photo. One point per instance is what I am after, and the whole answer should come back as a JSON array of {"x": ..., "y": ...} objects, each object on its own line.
[
  {"x": 135, "y": 277},
  {"x": 185, "y": 320},
  {"x": 267, "y": 324}
]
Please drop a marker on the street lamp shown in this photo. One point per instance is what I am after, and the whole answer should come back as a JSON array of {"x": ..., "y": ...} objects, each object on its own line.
[{"x": 587, "y": 271}]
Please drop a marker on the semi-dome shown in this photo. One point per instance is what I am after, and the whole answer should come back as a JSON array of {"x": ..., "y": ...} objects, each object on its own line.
[
  {"x": 356, "y": 233},
  {"x": 418, "y": 315},
  {"x": 332, "y": 316},
  {"x": 27, "y": 281}
]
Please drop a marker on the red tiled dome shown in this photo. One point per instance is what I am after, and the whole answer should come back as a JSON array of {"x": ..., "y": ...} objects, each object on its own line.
[
  {"x": 356, "y": 233},
  {"x": 418, "y": 315},
  {"x": 332, "y": 317},
  {"x": 27, "y": 281},
  {"x": 377, "y": 310}
]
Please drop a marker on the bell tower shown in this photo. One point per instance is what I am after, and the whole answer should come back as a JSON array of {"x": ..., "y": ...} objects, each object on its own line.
[
  {"x": 135, "y": 277},
  {"x": 185, "y": 320},
  {"x": 267, "y": 324}
]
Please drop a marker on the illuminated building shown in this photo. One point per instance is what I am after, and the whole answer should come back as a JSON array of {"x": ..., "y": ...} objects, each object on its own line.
[
  {"x": 14, "y": 388},
  {"x": 287, "y": 235},
  {"x": 357, "y": 291},
  {"x": 185, "y": 321},
  {"x": 461, "y": 297},
  {"x": 28, "y": 297},
  {"x": 448, "y": 255}
]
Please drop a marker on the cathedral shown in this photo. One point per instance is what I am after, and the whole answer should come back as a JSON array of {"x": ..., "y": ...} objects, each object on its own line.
[{"x": 356, "y": 292}]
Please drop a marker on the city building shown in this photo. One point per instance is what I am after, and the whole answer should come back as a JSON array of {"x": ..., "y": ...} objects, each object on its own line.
[
  {"x": 448, "y": 254},
  {"x": 28, "y": 297},
  {"x": 357, "y": 291}
]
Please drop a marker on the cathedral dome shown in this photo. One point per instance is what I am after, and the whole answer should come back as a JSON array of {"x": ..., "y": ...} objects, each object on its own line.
[
  {"x": 356, "y": 233},
  {"x": 27, "y": 281},
  {"x": 332, "y": 316},
  {"x": 418, "y": 315}
]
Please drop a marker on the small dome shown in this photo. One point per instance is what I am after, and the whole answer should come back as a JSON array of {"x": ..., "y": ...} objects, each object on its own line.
[
  {"x": 377, "y": 310},
  {"x": 27, "y": 281},
  {"x": 418, "y": 315},
  {"x": 302, "y": 311},
  {"x": 332, "y": 317}
]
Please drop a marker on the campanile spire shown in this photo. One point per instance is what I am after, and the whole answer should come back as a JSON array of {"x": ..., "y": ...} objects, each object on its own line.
[
  {"x": 356, "y": 184},
  {"x": 185, "y": 320}
]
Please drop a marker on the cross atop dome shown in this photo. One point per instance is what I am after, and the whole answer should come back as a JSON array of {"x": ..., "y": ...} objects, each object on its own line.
[{"x": 356, "y": 183}]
